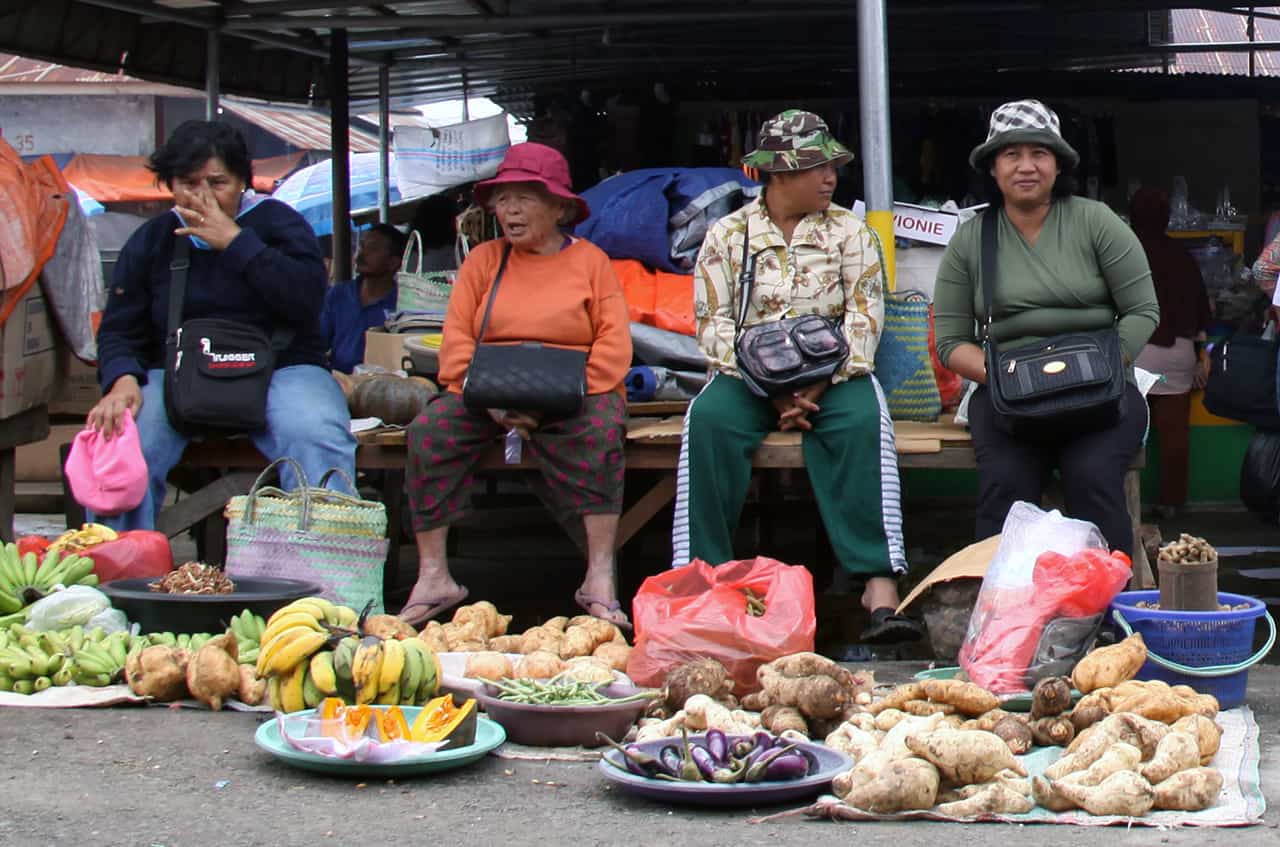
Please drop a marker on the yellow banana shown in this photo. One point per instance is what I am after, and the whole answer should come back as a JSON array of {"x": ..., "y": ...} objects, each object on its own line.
[
  {"x": 345, "y": 616},
  {"x": 273, "y": 693},
  {"x": 291, "y": 648},
  {"x": 311, "y": 695},
  {"x": 391, "y": 696},
  {"x": 291, "y": 698},
  {"x": 366, "y": 669},
  {"x": 303, "y": 606},
  {"x": 290, "y": 621},
  {"x": 322, "y": 673},
  {"x": 392, "y": 664}
]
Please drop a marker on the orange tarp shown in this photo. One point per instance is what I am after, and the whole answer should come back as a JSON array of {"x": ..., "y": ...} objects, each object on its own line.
[
  {"x": 33, "y": 210},
  {"x": 115, "y": 179},
  {"x": 657, "y": 298},
  {"x": 125, "y": 179}
]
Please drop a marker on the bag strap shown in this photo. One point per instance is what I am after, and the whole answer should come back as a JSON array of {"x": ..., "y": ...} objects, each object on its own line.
[
  {"x": 178, "y": 267},
  {"x": 990, "y": 234},
  {"x": 493, "y": 291},
  {"x": 746, "y": 281}
]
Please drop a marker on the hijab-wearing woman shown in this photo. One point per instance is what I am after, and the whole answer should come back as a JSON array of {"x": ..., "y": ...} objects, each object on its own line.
[
  {"x": 557, "y": 290},
  {"x": 1064, "y": 264},
  {"x": 811, "y": 257}
]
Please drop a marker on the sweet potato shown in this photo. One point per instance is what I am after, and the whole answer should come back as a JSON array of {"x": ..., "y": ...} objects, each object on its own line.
[
  {"x": 895, "y": 698},
  {"x": 1046, "y": 794},
  {"x": 1107, "y": 667},
  {"x": 1207, "y": 733},
  {"x": 1190, "y": 790},
  {"x": 1124, "y": 793},
  {"x": 1050, "y": 697},
  {"x": 1132, "y": 729},
  {"x": 1087, "y": 748},
  {"x": 1009, "y": 779},
  {"x": 903, "y": 785},
  {"x": 924, "y": 708},
  {"x": 1156, "y": 705},
  {"x": 1177, "y": 751},
  {"x": 968, "y": 698},
  {"x": 1016, "y": 734},
  {"x": 487, "y": 665},
  {"x": 993, "y": 799},
  {"x": 540, "y": 664},
  {"x": 1118, "y": 757},
  {"x": 963, "y": 758},
  {"x": 889, "y": 718}
]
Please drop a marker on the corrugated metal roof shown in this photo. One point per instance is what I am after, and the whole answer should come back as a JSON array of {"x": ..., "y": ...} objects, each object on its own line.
[
  {"x": 16, "y": 69},
  {"x": 305, "y": 129},
  {"x": 1200, "y": 26}
]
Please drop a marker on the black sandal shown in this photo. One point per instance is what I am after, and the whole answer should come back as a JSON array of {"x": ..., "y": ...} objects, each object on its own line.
[{"x": 888, "y": 627}]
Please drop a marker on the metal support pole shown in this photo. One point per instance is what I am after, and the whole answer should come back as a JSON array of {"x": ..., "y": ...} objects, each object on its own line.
[
  {"x": 1253, "y": 36},
  {"x": 340, "y": 130},
  {"x": 212, "y": 74},
  {"x": 384, "y": 143},
  {"x": 466, "y": 97},
  {"x": 873, "y": 120}
]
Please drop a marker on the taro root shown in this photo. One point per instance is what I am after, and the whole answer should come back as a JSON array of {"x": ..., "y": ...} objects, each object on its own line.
[
  {"x": 1050, "y": 697},
  {"x": 158, "y": 672},
  {"x": 213, "y": 674},
  {"x": 1015, "y": 732},
  {"x": 703, "y": 676}
]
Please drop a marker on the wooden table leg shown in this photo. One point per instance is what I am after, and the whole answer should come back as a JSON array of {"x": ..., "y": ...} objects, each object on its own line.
[
  {"x": 1142, "y": 578},
  {"x": 8, "y": 474},
  {"x": 642, "y": 511}
]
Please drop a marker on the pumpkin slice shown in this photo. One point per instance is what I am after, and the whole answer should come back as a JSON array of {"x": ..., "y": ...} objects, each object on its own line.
[
  {"x": 392, "y": 725},
  {"x": 356, "y": 721},
  {"x": 330, "y": 714},
  {"x": 442, "y": 719}
]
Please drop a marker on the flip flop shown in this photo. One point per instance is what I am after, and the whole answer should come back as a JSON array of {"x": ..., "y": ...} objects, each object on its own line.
[
  {"x": 585, "y": 603},
  {"x": 888, "y": 627},
  {"x": 433, "y": 607}
]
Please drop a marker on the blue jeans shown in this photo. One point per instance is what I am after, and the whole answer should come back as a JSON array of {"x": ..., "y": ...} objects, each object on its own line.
[{"x": 307, "y": 419}]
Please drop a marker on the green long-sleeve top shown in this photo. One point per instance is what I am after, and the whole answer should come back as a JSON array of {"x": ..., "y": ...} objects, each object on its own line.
[{"x": 1086, "y": 269}]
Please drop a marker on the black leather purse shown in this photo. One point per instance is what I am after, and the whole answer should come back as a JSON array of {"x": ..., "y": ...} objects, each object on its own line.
[
  {"x": 525, "y": 377},
  {"x": 779, "y": 357},
  {"x": 1242, "y": 379},
  {"x": 1062, "y": 385}
]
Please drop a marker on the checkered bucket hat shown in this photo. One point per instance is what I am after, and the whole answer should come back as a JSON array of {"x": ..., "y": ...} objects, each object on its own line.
[
  {"x": 795, "y": 141},
  {"x": 1024, "y": 122}
]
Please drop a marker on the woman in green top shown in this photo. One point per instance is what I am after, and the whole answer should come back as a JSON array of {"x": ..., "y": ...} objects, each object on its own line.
[{"x": 1064, "y": 264}]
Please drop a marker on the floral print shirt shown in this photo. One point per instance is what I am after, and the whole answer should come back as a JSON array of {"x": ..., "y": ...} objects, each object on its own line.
[{"x": 833, "y": 267}]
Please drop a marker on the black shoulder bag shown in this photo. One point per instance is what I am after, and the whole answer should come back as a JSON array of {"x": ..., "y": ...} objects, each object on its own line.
[
  {"x": 217, "y": 371},
  {"x": 525, "y": 377},
  {"x": 779, "y": 357},
  {"x": 1059, "y": 386}
]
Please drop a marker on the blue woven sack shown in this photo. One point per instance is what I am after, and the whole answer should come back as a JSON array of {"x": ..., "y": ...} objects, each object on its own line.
[{"x": 903, "y": 366}]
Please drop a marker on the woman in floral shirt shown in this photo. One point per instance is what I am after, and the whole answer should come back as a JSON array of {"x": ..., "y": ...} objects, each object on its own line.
[{"x": 812, "y": 257}]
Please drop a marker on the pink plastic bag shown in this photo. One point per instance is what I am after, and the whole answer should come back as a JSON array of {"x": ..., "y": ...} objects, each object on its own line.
[
  {"x": 699, "y": 611},
  {"x": 108, "y": 477}
]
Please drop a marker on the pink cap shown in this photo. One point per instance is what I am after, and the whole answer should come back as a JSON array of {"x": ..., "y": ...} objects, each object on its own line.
[
  {"x": 108, "y": 477},
  {"x": 532, "y": 162}
]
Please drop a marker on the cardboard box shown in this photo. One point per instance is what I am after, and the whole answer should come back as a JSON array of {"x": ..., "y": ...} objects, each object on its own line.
[
  {"x": 27, "y": 357},
  {"x": 385, "y": 349},
  {"x": 75, "y": 389},
  {"x": 920, "y": 223}
]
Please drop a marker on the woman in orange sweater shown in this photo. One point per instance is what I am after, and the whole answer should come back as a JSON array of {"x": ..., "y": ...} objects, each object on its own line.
[{"x": 557, "y": 290}]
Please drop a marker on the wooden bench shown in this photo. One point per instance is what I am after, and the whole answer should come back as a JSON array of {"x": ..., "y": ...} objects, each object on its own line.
[
  {"x": 653, "y": 444},
  {"x": 26, "y": 427}
]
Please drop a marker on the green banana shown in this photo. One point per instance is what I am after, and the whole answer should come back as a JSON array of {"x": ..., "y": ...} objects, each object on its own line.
[
  {"x": 42, "y": 682},
  {"x": 29, "y": 565},
  {"x": 65, "y": 675},
  {"x": 24, "y": 686},
  {"x": 6, "y": 683}
]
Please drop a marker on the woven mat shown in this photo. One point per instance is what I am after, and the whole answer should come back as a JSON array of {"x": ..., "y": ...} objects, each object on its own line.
[
  {"x": 1241, "y": 802},
  {"x": 89, "y": 697}
]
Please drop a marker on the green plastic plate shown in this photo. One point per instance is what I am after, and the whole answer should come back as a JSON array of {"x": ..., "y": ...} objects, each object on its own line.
[
  {"x": 489, "y": 736},
  {"x": 1016, "y": 703}
]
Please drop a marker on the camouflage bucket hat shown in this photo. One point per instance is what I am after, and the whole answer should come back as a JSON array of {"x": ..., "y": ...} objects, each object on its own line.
[{"x": 795, "y": 141}]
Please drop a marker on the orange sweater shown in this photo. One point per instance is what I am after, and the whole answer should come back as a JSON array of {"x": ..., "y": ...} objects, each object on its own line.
[{"x": 570, "y": 299}]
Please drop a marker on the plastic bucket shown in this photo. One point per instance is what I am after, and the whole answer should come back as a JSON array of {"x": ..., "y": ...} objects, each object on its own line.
[{"x": 1209, "y": 651}]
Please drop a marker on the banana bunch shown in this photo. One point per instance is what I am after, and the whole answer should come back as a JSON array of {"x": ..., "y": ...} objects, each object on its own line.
[
  {"x": 26, "y": 579},
  {"x": 79, "y": 540},
  {"x": 248, "y": 629},
  {"x": 390, "y": 672},
  {"x": 297, "y": 631},
  {"x": 33, "y": 661},
  {"x": 185, "y": 641}
]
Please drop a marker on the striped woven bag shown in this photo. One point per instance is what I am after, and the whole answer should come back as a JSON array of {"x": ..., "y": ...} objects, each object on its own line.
[{"x": 903, "y": 366}]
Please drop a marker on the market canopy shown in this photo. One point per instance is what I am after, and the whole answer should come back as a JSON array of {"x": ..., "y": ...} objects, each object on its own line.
[{"x": 515, "y": 49}]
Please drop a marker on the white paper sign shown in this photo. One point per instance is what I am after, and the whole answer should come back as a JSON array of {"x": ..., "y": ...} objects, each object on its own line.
[{"x": 428, "y": 161}]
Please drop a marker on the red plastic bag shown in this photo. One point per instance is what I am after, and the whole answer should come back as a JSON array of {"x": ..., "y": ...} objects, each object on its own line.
[
  {"x": 136, "y": 553},
  {"x": 950, "y": 383},
  {"x": 699, "y": 611}
]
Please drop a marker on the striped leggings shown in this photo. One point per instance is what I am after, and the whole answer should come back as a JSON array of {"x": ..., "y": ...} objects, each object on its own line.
[{"x": 849, "y": 454}]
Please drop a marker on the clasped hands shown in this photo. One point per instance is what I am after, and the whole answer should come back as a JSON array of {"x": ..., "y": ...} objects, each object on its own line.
[{"x": 795, "y": 408}]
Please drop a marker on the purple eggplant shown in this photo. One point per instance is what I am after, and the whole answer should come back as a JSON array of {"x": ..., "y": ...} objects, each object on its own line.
[
  {"x": 670, "y": 758},
  {"x": 702, "y": 757},
  {"x": 634, "y": 760},
  {"x": 756, "y": 770},
  {"x": 718, "y": 746},
  {"x": 788, "y": 766},
  {"x": 763, "y": 740}
]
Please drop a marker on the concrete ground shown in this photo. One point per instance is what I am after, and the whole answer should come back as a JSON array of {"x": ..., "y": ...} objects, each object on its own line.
[{"x": 150, "y": 776}]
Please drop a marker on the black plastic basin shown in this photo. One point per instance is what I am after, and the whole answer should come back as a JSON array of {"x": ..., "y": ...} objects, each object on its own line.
[{"x": 179, "y": 613}]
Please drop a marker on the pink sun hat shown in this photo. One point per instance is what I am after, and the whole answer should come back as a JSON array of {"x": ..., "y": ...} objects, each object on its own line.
[
  {"x": 533, "y": 162},
  {"x": 108, "y": 477}
]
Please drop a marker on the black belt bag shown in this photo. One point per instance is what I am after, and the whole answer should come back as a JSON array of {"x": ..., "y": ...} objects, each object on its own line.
[
  {"x": 1059, "y": 386},
  {"x": 779, "y": 357},
  {"x": 527, "y": 377},
  {"x": 217, "y": 372}
]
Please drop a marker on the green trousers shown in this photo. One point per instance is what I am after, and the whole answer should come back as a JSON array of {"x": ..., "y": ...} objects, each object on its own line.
[{"x": 849, "y": 454}]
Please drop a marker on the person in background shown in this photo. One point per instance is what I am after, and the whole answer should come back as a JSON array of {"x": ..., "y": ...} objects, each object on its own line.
[
  {"x": 1175, "y": 349},
  {"x": 433, "y": 220},
  {"x": 360, "y": 304}
]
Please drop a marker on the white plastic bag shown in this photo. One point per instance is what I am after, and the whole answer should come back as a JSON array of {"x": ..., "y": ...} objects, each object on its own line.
[
  {"x": 74, "y": 606},
  {"x": 110, "y": 620}
]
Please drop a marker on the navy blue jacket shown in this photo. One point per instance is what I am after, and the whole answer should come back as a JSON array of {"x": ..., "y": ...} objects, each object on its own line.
[{"x": 272, "y": 274}]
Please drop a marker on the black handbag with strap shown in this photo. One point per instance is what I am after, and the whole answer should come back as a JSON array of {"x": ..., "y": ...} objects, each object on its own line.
[
  {"x": 1061, "y": 385},
  {"x": 1242, "y": 379},
  {"x": 524, "y": 377},
  {"x": 217, "y": 372},
  {"x": 779, "y": 357}
]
